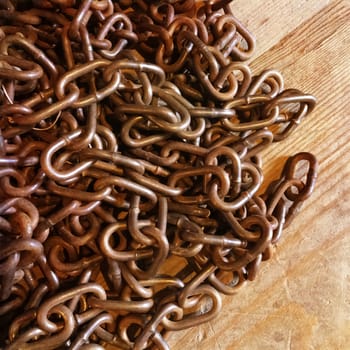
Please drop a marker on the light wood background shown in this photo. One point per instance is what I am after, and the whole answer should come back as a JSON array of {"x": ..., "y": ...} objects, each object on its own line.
[{"x": 301, "y": 298}]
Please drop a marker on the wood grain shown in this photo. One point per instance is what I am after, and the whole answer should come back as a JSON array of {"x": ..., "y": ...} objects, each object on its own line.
[{"x": 301, "y": 298}]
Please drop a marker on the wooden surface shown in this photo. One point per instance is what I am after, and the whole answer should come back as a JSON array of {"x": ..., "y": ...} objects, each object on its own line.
[{"x": 301, "y": 298}]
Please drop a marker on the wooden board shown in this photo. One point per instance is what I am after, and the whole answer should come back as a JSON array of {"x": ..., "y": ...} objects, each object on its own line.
[{"x": 301, "y": 298}]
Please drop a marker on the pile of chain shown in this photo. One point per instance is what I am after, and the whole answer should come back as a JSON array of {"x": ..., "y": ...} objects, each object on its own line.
[{"x": 131, "y": 169}]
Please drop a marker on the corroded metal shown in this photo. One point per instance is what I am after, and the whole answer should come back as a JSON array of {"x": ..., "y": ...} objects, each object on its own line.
[{"x": 131, "y": 147}]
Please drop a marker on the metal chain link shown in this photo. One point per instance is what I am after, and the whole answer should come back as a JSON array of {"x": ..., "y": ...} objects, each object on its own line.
[{"x": 131, "y": 141}]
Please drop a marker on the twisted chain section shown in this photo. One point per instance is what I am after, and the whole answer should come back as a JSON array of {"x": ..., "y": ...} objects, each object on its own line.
[{"x": 131, "y": 169}]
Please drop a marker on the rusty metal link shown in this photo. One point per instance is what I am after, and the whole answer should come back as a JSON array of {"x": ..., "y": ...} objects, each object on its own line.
[
  {"x": 295, "y": 186},
  {"x": 132, "y": 136}
]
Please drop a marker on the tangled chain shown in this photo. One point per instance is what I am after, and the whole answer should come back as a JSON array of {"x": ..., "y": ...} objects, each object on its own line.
[{"x": 131, "y": 169}]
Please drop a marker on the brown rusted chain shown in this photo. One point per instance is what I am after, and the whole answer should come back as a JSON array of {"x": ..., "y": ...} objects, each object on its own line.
[{"x": 131, "y": 143}]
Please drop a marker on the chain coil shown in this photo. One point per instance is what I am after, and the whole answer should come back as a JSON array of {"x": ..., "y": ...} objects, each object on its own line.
[{"x": 131, "y": 141}]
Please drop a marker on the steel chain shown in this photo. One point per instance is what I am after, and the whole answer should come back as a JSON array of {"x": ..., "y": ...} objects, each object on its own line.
[{"x": 131, "y": 141}]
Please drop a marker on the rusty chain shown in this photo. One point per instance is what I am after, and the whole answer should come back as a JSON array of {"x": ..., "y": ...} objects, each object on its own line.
[{"x": 131, "y": 140}]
